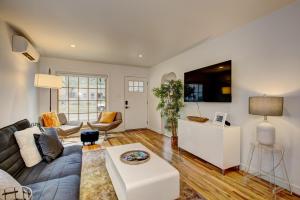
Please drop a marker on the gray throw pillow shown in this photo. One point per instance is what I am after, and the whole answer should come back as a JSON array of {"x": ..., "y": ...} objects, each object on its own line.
[
  {"x": 49, "y": 145},
  {"x": 52, "y": 132}
]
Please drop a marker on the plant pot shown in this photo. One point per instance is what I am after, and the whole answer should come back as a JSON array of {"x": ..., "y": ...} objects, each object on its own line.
[{"x": 174, "y": 141}]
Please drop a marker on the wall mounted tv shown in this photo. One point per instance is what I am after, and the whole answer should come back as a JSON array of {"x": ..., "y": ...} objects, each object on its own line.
[{"x": 208, "y": 84}]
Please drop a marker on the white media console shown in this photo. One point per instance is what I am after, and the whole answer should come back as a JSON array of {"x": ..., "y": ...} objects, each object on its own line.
[{"x": 215, "y": 144}]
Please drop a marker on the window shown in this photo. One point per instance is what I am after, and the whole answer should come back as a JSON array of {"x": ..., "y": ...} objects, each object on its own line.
[
  {"x": 82, "y": 97},
  {"x": 135, "y": 86}
]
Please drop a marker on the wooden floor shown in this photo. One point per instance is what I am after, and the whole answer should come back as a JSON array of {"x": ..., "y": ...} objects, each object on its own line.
[{"x": 201, "y": 176}]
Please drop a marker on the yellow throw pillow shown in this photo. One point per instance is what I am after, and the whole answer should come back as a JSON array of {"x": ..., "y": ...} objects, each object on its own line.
[
  {"x": 107, "y": 117},
  {"x": 50, "y": 119}
]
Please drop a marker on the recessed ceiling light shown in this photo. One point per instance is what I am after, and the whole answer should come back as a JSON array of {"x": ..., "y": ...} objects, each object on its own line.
[
  {"x": 221, "y": 67},
  {"x": 73, "y": 45},
  {"x": 140, "y": 55}
]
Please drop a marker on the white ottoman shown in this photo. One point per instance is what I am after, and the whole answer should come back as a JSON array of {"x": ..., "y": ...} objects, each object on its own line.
[{"x": 155, "y": 179}]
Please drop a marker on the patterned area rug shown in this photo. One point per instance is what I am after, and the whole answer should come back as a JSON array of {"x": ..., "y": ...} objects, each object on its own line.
[{"x": 96, "y": 183}]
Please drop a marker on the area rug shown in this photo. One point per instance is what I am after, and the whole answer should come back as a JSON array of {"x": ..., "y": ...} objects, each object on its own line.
[{"x": 96, "y": 183}]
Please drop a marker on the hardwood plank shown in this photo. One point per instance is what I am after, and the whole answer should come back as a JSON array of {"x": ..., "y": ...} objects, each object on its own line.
[{"x": 198, "y": 174}]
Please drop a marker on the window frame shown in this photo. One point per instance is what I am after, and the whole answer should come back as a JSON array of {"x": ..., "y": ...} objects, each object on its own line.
[
  {"x": 78, "y": 75},
  {"x": 139, "y": 86}
]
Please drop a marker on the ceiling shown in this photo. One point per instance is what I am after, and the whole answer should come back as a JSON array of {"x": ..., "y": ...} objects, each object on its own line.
[{"x": 117, "y": 31}]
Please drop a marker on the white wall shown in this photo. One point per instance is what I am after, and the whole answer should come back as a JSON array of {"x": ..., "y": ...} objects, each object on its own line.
[
  {"x": 266, "y": 60},
  {"x": 115, "y": 73},
  {"x": 18, "y": 99}
]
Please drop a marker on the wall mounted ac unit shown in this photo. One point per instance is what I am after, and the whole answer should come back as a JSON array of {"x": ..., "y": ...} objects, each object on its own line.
[{"x": 22, "y": 45}]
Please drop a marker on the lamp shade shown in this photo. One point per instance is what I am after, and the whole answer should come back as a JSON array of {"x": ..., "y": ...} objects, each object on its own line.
[
  {"x": 48, "y": 81},
  {"x": 266, "y": 105}
]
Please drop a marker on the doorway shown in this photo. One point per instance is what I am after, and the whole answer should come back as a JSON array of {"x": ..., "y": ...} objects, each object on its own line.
[{"x": 136, "y": 103}]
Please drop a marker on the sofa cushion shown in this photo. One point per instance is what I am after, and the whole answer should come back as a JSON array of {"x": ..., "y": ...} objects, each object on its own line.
[
  {"x": 67, "y": 164},
  {"x": 10, "y": 157},
  {"x": 49, "y": 144},
  {"x": 72, "y": 149},
  {"x": 49, "y": 147},
  {"x": 28, "y": 148},
  {"x": 22, "y": 124},
  {"x": 66, "y": 188}
]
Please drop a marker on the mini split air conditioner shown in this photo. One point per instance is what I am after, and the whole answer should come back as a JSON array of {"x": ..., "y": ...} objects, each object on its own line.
[{"x": 22, "y": 45}]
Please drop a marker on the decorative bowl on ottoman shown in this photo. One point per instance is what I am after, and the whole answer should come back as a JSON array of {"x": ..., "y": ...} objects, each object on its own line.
[
  {"x": 89, "y": 136},
  {"x": 135, "y": 157}
]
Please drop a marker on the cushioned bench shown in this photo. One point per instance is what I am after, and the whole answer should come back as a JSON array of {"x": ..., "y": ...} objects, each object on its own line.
[{"x": 57, "y": 180}]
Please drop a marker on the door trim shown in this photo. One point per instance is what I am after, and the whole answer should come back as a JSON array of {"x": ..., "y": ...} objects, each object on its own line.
[{"x": 147, "y": 99}]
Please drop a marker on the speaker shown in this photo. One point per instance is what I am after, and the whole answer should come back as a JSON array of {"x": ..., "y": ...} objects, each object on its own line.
[{"x": 227, "y": 123}]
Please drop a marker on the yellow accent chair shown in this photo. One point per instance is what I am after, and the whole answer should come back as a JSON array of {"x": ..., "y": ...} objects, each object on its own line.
[{"x": 105, "y": 127}]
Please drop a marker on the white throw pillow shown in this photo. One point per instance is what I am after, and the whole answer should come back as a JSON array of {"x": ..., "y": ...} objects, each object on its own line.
[
  {"x": 28, "y": 149},
  {"x": 7, "y": 180},
  {"x": 7, "y": 183}
]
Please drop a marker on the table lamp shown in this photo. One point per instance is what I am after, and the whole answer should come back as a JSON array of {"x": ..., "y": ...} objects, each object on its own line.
[
  {"x": 48, "y": 81},
  {"x": 266, "y": 106}
]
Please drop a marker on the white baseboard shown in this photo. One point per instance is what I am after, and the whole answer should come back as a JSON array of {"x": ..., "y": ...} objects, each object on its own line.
[
  {"x": 279, "y": 181},
  {"x": 155, "y": 130}
]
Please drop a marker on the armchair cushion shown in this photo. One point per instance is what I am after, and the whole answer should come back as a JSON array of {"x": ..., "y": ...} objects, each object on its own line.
[
  {"x": 107, "y": 117},
  {"x": 50, "y": 119},
  {"x": 62, "y": 118}
]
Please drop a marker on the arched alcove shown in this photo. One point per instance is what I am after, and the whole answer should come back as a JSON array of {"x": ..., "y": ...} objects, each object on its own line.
[{"x": 168, "y": 76}]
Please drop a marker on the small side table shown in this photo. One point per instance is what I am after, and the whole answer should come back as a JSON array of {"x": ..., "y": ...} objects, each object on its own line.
[{"x": 274, "y": 149}]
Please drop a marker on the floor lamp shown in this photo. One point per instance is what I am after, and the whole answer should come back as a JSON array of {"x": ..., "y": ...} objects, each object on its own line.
[
  {"x": 266, "y": 106},
  {"x": 48, "y": 81}
]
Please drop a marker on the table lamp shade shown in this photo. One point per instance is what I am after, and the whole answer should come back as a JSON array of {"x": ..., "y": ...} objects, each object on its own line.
[
  {"x": 48, "y": 81},
  {"x": 266, "y": 106}
]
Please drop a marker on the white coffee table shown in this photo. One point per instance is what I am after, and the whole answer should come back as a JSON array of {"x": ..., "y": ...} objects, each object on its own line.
[{"x": 155, "y": 179}]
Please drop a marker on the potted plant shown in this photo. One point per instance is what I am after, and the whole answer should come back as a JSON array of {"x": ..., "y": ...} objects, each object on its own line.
[{"x": 170, "y": 96}]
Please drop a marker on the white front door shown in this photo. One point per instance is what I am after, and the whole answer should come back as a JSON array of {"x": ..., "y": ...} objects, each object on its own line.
[{"x": 136, "y": 109}]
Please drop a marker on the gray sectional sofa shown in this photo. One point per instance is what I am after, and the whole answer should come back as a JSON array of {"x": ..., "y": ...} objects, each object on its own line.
[{"x": 58, "y": 180}]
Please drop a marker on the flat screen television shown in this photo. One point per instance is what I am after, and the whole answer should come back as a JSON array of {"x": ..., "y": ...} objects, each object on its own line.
[{"x": 208, "y": 84}]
